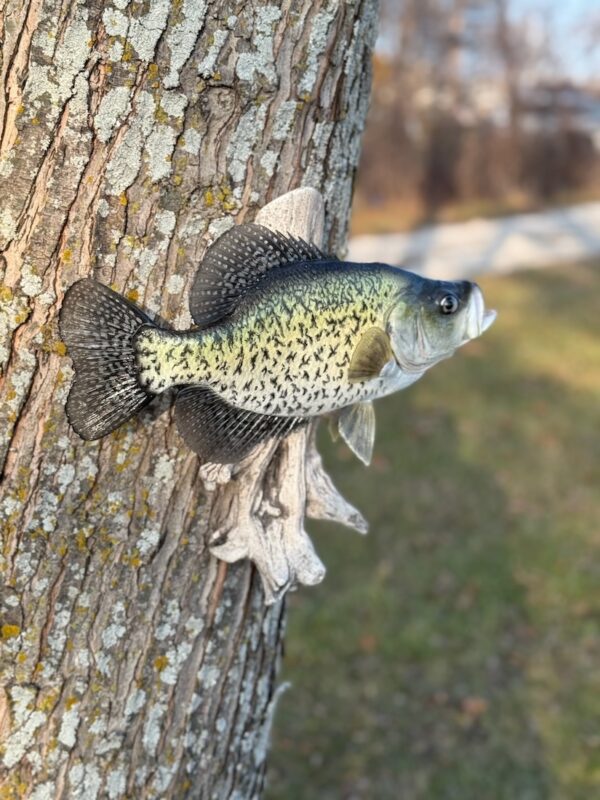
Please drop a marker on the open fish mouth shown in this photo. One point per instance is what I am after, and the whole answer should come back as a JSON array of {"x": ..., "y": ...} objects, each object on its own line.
[{"x": 479, "y": 318}]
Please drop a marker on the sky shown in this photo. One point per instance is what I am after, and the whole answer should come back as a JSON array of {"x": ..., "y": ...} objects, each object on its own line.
[{"x": 570, "y": 23}]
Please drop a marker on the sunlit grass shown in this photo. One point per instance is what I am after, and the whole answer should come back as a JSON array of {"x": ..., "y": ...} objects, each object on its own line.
[{"x": 455, "y": 651}]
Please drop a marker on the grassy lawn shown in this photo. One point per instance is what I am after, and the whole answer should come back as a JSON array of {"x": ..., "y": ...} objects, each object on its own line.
[{"x": 454, "y": 652}]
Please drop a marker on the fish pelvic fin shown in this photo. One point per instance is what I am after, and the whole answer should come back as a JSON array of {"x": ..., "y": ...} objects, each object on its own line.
[
  {"x": 356, "y": 425},
  {"x": 98, "y": 327}
]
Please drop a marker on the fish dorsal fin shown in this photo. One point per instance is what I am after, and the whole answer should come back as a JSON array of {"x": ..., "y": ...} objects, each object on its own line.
[
  {"x": 221, "y": 433},
  {"x": 371, "y": 355},
  {"x": 236, "y": 262},
  {"x": 356, "y": 425}
]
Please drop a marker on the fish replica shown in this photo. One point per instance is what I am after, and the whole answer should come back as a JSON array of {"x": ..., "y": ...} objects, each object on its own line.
[{"x": 284, "y": 334}]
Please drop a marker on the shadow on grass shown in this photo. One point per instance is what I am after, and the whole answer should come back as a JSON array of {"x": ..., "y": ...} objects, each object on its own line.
[{"x": 447, "y": 655}]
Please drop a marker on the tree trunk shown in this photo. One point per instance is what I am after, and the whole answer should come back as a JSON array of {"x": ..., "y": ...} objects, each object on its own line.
[{"x": 134, "y": 663}]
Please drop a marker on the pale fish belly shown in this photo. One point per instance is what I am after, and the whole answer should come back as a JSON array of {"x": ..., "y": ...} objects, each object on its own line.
[
  {"x": 308, "y": 398},
  {"x": 393, "y": 380}
]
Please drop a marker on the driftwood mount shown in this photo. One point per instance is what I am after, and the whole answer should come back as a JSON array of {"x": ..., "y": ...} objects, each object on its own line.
[{"x": 259, "y": 505}]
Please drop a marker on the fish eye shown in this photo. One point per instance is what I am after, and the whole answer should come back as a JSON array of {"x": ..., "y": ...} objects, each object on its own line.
[{"x": 449, "y": 304}]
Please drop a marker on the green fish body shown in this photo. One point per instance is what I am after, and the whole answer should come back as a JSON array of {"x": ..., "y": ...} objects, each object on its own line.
[
  {"x": 287, "y": 348},
  {"x": 284, "y": 334}
]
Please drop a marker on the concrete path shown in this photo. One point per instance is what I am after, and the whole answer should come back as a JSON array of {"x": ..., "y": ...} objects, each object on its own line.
[{"x": 502, "y": 245}]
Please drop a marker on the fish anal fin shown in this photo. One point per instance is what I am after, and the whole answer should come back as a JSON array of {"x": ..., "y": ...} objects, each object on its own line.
[
  {"x": 371, "y": 355},
  {"x": 221, "y": 433},
  {"x": 236, "y": 262},
  {"x": 356, "y": 425}
]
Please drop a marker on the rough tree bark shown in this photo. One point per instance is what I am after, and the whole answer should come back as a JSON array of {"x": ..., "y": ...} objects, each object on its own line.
[{"x": 134, "y": 663}]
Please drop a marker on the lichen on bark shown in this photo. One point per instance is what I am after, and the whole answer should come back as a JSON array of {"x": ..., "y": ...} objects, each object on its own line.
[{"x": 131, "y": 135}]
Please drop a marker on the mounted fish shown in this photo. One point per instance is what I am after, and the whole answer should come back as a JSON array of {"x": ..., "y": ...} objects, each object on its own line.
[{"x": 285, "y": 333}]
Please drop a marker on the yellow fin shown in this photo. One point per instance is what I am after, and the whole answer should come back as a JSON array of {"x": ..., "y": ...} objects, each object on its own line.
[{"x": 371, "y": 355}]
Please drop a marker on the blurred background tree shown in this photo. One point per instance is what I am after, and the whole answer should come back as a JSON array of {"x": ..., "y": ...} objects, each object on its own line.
[{"x": 474, "y": 111}]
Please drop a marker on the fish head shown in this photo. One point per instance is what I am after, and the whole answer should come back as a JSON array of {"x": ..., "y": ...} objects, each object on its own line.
[{"x": 431, "y": 319}]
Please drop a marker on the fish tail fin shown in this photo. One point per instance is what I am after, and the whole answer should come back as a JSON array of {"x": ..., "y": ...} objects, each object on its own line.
[{"x": 98, "y": 326}]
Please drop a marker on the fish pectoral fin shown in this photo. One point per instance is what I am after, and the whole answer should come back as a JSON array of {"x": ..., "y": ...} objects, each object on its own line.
[
  {"x": 371, "y": 355},
  {"x": 356, "y": 425},
  {"x": 221, "y": 433}
]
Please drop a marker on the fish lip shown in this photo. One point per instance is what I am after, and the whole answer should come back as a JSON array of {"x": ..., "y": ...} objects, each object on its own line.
[{"x": 479, "y": 319}]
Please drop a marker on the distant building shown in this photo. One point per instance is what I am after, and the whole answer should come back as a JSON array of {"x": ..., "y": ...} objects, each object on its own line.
[{"x": 547, "y": 107}]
